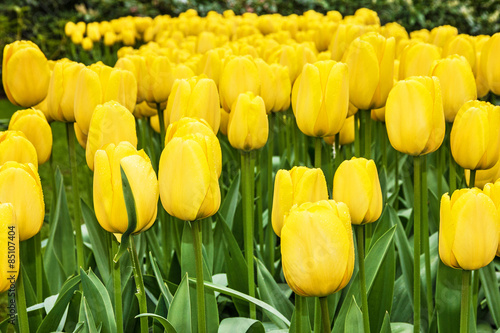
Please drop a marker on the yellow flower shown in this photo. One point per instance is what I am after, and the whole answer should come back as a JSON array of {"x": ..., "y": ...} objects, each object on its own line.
[
  {"x": 275, "y": 85},
  {"x": 346, "y": 133},
  {"x": 109, "y": 200},
  {"x": 80, "y": 136},
  {"x": 468, "y": 230},
  {"x": 481, "y": 82},
  {"x": 356, "y": 184},
  {"x": 15, "y": 146},
  {"x": 492, "y": 190},
  {"x": 317, "y": 248},
  {"x": 87, "y": 44},
  {"x": 9, "y": 253},
  {"x": 93, "y": 31},
  {"x": 35, "y": 127},
  {"x": 483, "y": 177},
  {"x": 414, "y": 116},
  {"x": 417, "y": 59},
  {"x": 20, "y": 185},
  {"x": 475, "y": 138},
  {"x": 442, "y": 35},
  {"x": 296, "y": 187},
  {"x": 239, "y": 75},
  {"x": 462, "y": 45},
  {"x": 25, "y": 73},
  {"x": 489, "y": 66}
]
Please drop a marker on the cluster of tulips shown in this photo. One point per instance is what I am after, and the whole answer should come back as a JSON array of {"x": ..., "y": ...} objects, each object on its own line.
[{"x": 203, "y": 82}]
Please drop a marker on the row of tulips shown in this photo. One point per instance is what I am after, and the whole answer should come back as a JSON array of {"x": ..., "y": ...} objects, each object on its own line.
[{"x": 202, "y": 75}]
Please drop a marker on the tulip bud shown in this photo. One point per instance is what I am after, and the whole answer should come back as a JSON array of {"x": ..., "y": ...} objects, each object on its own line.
[
  {"x": 317, "y": 248},
  {"x": 111, "y": 123},
  {"x": 489, "y": 66},
  {"x": 417, "y": 59},
  {"x": 296, "y": 187},
  {"x": 275, "y": 85},
  {"x": 77, "y": 37},
  {"x": 109, "y": 200},
  {"x": 442, "y": 35},
  {"x": 14, "y": 146},
  {"x": 20, "y": 185},
  {"x": 492, "y": 190},
  {"x": 195, "y": 97},
  {"x": 468, "y": 229},
  {"x": 481, "y": 82},
  {"x": 109, "y": 38},
  {"x": 128, "y": 37},
  {"x": 462, "y": 45},
  {"x": 93, "y": 31},
  {"x": 87, "y": 44},
  {"x": 69, "y": 27},
  {"x": 414, "y": 116},
  {"x": 458, "y": 84},
  {"x": 247, "y": 128},
  {"x": 475, "y": 139},
  {"x": 25, "y": 73},
  {"x": 190, "y": 161},
  {"x": 9, "y": 253},
  {"x": 322, "y": 98},
  {"x": 370, "y": 59},
  {"x": 356, "y": 184},
  {"x": 240, "y": 74},
  {"x": 37, "y": 130}
]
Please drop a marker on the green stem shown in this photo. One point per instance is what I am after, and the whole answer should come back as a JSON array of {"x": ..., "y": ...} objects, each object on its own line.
[
  {"x": 383, "y": 140},
  {"x": 77, "y": 221},
  {"x": 465, "y": 304},
  {"x": 247, "y": 164},
  {"x": 270, "y": 192},
  {"x": 37, "y": 239},
  {"x": 296, "y": 144},
  {"x": 425, "y": 238},
  {"x": 357, "y": 138},
  {"x": 472, "y": 179},
  {"x": 440, "y": 170},
  {"x": 475, "y": 291},
  {"x": 325, "y": 316},
  {"x": 317, "y": 315},
  {"x": 452, "y": 172},
  {"x": 317, "y": 152},
  {"x": 22, "y": 313},
  {"x": 258, "y": 194},
  {"x": 139, "y": 283},
  {"x": 200, "y": 291},
  {"x": 367, "y": 133},
  {"x": 396, "y": 181},
  {"x": 362, "y": 277},
  {"x": 416, "y": 241},
  {"x": 117, "y": 286},
  {"x": 161, "y": 120},
  {"x": 338, "y": 155},
  {"x": 298, "y": 313}
]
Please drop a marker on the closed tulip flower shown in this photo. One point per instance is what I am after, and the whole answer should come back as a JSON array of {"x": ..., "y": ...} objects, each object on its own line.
[
  {"x": 275, "y": 86},
  {"x": 93, "y": 31},
  {"x": 442, "y": 35},
  {"x": 417, "y": 59},
  {"x": 346, "y": 133},
  {"x": 475, "y": 139},
  {"x": 37, "y": 130},
  {"x": 109, "y": 38},
  {"x": 20, "y": 185},
  {"x": 489, "y": 66},
  {"x": 317, "y": 248},
  {"x": 247, "y": 128},
  {"x": 109, "y": 200},
  {"x": 15, "y": 146},
  {"x": 25, "y": 73},
  {"x": 481, "y": 82},
  {"x": 492, "y": 190},
  {"x": 414, "y": 116},
  {"x": 458, "y": 84},
  {"x": 370, "y": 59},
  {"x": 483, "y": 177},
  {"x": 224, "y": 120},
  {"x": 111, "y": 123},
  {"x": 143, "y": 110},
  {"x": 80, "y": 136},
  {"x": 239, "y": 75},
  {"x": 322, "y": 98},
  {"x": 195, "y": 97},
  {"x": 462, "y": 45},
  {"x": 468, "y": 229},
  {"x": 296, "y": 187},
  {"x": 87, "y": 44},
  {"x": 190, "y": 162},
  {"x": 356, "y": 184},
  {"x": 9, "y": 254}
]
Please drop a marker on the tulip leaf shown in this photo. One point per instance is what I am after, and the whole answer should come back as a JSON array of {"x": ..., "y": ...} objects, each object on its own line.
[
  {"x": 131, "y": 213},
  {"x": 354, "y": 318},
  {"x": 407, "y": 188},
  {"x": 97, "y": 295},
  {"x": 57, "y": 260},
  {"x": 447, "y": 298},
  {"x": 402, "y": 328},
  {"x": 164, "y": 290},
  {"x": 386, "y": 325},
  {"x": 490, "y": 285},
  {"x": 241, "y": 325},
  {"x": 163, "y": 321},
  {"x": 179, "y": 314},
  {"x": 86, "y": 317},
  {"x": 231, "y": 200}
]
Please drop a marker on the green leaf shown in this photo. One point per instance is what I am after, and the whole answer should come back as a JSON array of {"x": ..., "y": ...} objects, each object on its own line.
[
  {"x": 386, "y": 325},
  {"x": 86, "y": 317},
  {"x": 97, "y": 295},
  {"x": 163, "y": 321},
  {"x": 179, "y": 314},
  {"x": 57, "y": 260},
  {"x": 231, "y": 200},
  {"x": 447, "y": 298},
  {"x": 490, "y": 286},
  {"x": 402, "y": 328},
  {"x": 241, "y": 325},
  {"x": 354, "y": 318},
  {"x": 164, "y": 290}
]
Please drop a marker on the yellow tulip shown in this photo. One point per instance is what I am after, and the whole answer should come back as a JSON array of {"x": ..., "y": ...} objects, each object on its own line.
[
  {"x": 275, "y": 85},
  {"x": 489, "y": 66},
  {"x": 481, "y": 82},
  {"x": 195, "y": 97},
  {"x": 356, "y": 184},
  {"x": 69, "y": 27},
  {"x": 189, "y": 161},
  {"x": 483, "y": 177},
  {"x": 442, "y": 35},
  {"x": 468, "y": 230},
  {"x": 111, "y": 123},
  {"x": 286, "y": 56},
  {"x": 492, "y": 190},
  {"x": 62, "y": 88},
  {"x": 109, "y": 200},
  {"x": 109, "y": 38},
  {"x": 25, "y": 73},
  {"x": 317, "y": 248},
  {"x": 421, "y": 35},
  {"x": 93, "y": 31},
  {"x": 239, "y": 75},
  {"x": 417, "y": 59},
  {"x": 343, "y": 37},
  {"x": 80, "y": 136},
  {"x": 77, "y": 37},
  {"x": 296, "y": 187},
  {"x": 15, "y": 146},
  {"x": 370, "y": 59},
  {"x": 475, "y": 138},
  {"x": 210, "y": 64},
  {"x": 143, "y": 110},
  {"x": 128, "y": 37},
  {"x": 414, "y": 116},
  {"x": 224, "y": 120},
  {"x": 87, "y": 44},
  {"x": 9, "y": 253},
  {"x": 346, "y": 135},
  {"x": 462, "y": 45},
  {"x": 20, "y": 185},
  {"x": 458, "y": 84},
  {"x": 247, "y": 127},
  {"x": 37, "y": 130},
  {"x": 88, "y": 94},
  {"x": 322, "y": 98}
]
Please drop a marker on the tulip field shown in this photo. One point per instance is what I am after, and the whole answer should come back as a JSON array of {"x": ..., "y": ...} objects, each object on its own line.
[{"x": 314, "y": 172}]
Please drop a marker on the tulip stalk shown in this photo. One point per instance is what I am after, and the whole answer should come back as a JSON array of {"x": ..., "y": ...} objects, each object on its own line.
[
  {"x": 367, "y": 133},
  {"x": 465, "y": 302},
  {"x": 357, "y": 129},
  {"x": 139, "y": 283},
  {"x": 270, "y": 231},
  {"x": 200, "y": 292},
  {"x": 76, "y": 196},
  {"x": 362, "y": 277},
  {"x": 258, "y": 195},
  {"x": 425, "y": 238},
  {"x": 325, "y": 316},
  {"x": 37, "y": 240},
  {"x": 22, "y": 313},
  {"x": 317, "y": 152},
  {"x": 416, "y": 241},
  {"x": 338, "y": 156},
  {"x": 161, "y": 120},
  {"x": 117, "y": 285}
]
